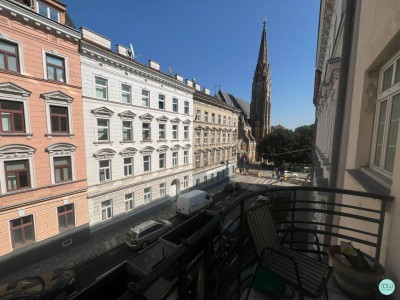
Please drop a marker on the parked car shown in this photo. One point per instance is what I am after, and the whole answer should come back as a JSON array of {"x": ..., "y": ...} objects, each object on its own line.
[
  {"x": 57, "y": 284},
  {"x": 232, "y": 187},
  {"x": 147, "y": 232},
  {"x": 289, "y": 174},
  {"x": 192, "y": 202}
]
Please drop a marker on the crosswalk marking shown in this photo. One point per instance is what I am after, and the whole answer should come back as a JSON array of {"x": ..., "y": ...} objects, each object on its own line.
[{"x": 264, "y": 181}]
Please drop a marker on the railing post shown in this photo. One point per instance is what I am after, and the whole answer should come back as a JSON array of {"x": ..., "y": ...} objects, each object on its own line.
[
  {"x": 293, "y": 217},
  {"x": 380, "y": 229}
]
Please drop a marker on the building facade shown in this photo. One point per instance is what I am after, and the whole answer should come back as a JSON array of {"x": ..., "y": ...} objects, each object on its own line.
[
  {"x": 260, "y": 107},
  {"x": 215, "y": 134},
  {"x": 43, "y": 205},
  {"x": 362, "y": 152},
  {"x": 138, "y": 125}
]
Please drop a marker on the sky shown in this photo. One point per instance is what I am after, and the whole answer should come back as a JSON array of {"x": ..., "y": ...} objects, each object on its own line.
[{"x": 216, "y": 42}]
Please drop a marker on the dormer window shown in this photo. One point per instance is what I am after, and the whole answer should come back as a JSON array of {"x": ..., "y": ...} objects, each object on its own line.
[{"x": 48, "y": 12}]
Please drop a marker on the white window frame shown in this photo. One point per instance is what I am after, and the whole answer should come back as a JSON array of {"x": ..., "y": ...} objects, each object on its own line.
[
  {"x": 108, "y": 128},
  {"x": 186, "y": 108},
  {"x": 56, "y": 102},
  {"x": 175, "y": 159},
  {"x": 197, "y": 160},
  {"x": 131, "y": 127},
  {"x": 20, "y": 51},
  {"x": 197, "y": 137},
  {"x": 175, "y": 105},
  {"x": 186, "y": 157},
  {"x": 63, "y": 150},
  {"x": 129, "y": 201},
  {"x": 205, "y": 159},
  {"x": 162, "y": 190},
  {"x": 107, "y": 209},
  {"x": 126, "y": 93},
  {"x": 161, "y": 131},
  {"x": 162, "y": 158},
  {"x": 198, "y": 115},
  {"x": 212, "y": 137},
  {"x": 148, "y": 139},
  {"x": 48, "y": 10},
  {"x": 224, "y": 120},
  {"x": 205, "y": 137},
  {"x": 161, "y": 99},
  {"x": 149, "y": 162},
  {"x": 175, "y": 132},
  {"x": 147, "y": 98},
  {"x": 213, "y": 118},
  {"x": 95, "y": 86},
  {"x": 185, "y": 182},
  {"x": 104, "y": 168},
  {"x": 44, "y": 63},
  {"x": 212, "y": 158},
  {"x": 127, "y": 165},
  {"x": 206, "y": 116},
  {"x": 147, "y": 195}
]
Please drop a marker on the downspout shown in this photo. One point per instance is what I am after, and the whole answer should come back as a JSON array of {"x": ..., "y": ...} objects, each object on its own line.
[{"x": 341, "y": 101}]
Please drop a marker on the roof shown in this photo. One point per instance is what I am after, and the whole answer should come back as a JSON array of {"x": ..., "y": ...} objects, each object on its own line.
[{"x": 243, "y": 105}]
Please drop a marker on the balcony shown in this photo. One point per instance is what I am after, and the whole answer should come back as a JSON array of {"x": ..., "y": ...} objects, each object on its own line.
[{"x": 215, "y": 259}]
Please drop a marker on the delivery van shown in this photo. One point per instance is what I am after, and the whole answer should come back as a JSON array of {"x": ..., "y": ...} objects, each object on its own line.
[{"x": 189, "y": 203}]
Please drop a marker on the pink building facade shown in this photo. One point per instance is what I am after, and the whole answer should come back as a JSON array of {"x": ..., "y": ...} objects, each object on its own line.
[{"x": 43, "y": 199}]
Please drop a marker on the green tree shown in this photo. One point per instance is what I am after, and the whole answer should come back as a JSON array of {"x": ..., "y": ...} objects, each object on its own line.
[{"x": 304, "y": 136}]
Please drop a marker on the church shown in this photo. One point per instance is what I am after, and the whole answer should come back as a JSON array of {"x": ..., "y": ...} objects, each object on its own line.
[{"x": 254, "y": 121}]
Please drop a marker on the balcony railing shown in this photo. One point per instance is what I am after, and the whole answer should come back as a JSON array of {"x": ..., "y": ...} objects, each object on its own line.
[{"x": 215, "y": 259}]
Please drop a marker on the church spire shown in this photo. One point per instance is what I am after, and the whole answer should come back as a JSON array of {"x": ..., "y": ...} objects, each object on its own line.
[{"x": 263, "y": 53}]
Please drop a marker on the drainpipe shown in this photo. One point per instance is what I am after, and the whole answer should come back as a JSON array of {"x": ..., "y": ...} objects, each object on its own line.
[{"x": 341, "y": 101}]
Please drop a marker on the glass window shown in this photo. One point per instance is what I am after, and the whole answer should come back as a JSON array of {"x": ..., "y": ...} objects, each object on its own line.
[
  {"x": 387, "y": 78},
  {"x": 174, "y": 159},
  {"x": 223, "y": 137},
  {"x": 213, "y": 118},
  {"x": 205, "y": 158},
  {"x": 393, "y": 127},
  {"x": 103, "y": 130},
  {"x": 224, "y": 120},
  {"x": 175, "y": 105},
  {"x": 205, "y": 137},
  {"x": 146, "y": 131},
  {"x": 146, "y": 163},
  {"x": 197, "y": 137},
  {"x": 17, "y": 174},
  {"x": 105, "y": 170},
  {"x": 229, "y": 121},
  {"x": 145, "y": 98},
  {"x": 186, "y": 107},
  {"x": 185, "y": 157},
  {"x": 48, "y": 12},
  {"x": 9, "y": 56},
  {"x": 161, "y": 101},
  {"x": 59, "y": 119},
  {"x": 219, "y": 137},
  {"x": 55, "y": 68},
  {"x": 66, "y": 216},
  {"x": 106, "y": 210},
  {"x": 129, "y": 201},
  {"x": 219, "y": 119},
  {"x": 206, "y": 116},
  {"x": 22, "y": 231},
  {"x": 186, "y": 132},
  {"x": 12, "y": 116},
  {"x": 161, "y": 158},
  {"x": 185, "y": 182},
  {"x": 174, "y": 132},
  {"x": 101, "y": 88},
  {"x": 197, "y": 182},
  {"x": 212, "y": 137},
  {"x": 197, "y": 160},
  {"x": 162, "y": 190},
  {"x": 198, "y": 115},
  {"x": 147, "y": 195},
  {"x": 127, "y": 131},
  {"x": 128, "y": 166},
  {"x": 161, "y": 132},
  {"x": 126, "y": 93},
  {"x": 62, "y": 169},
  {"x": 212, "y": 158}
]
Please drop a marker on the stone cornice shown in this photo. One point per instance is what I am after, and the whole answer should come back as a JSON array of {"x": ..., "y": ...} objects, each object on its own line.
[
  {"x": 207, "y": 99},
  {"x": 107, "y": 56},
  {"x": 38, "y": 21},
  {"x": 324, "y": 31}
]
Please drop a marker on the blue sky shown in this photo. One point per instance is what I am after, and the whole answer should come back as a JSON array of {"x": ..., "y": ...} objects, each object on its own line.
[{"x": 217, "y": 42}]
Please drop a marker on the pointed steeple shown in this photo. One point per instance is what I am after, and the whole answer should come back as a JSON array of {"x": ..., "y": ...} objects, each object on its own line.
[{"x": 263, "y": 53}]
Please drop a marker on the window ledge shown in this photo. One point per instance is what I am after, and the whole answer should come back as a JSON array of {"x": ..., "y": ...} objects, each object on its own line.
[
  {"x": 174, "y": 140},
  {"x": 127, "y": 142},
  {"x": 27, "y": 135},
  {"x": 162, "y": 140},
  {"x": 372, "y": 181},
  {"x": 50, "y": 135},
  {"x": 146, "y": 141},
  {"x": 103, "y": 142}
]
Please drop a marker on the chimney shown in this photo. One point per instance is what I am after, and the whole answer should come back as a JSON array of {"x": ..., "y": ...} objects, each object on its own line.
[
  {"x": 122, "y": 50},
  {"x": 206, "y": 91},
  {"x": 189, "y": 82},
  {"x": 154, "y": 65},
  {"x": 95, "y": 38},
  {"x": 178, "y": 77},
  {"x": 197, "y": 86}
]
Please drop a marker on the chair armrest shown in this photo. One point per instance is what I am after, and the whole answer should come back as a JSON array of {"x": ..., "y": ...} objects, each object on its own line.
[
  {"x": 299, "y": 229},
  {"x": 263, "y": 253}
]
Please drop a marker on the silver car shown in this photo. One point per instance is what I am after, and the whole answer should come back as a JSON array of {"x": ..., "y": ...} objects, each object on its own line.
[{"x": 143, "y": 234}]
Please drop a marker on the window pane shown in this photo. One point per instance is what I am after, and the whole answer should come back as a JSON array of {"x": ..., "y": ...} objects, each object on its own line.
[
  {"x": 17, "y": 237},
  {"x": 12, "y": 63},
  {"x": 18, "y": 122},
  {"x": 2, "y": 62},
  {"x": 397, "y": 74},
  {"x": 101, "y": 93},
  {"x": 63, "y": 124},
  {"x": 387, "y": 78},
  {"x": 62, "y": 222},
  {"x": 392, "y": 137},
  {"x": 8, "y": 47},
  {"x": 125, "y": 98},
  {"x": 60, "y": 75},
  {"x": 379, "y": 135},
  {"x": 58, "y": 175},
  {"x": 6, "y": 121},
  {"x": 54, "y": 14},
  {"x": 55, "y": 61},
  {"x": 54, "y": 124},
  {"x": 11, "y": 181},
  {"x": 71, "y": 219},
  {"x": 42, "y": 9},
  {"x": 104, "y": 164},
  {"x": 50, "y": 73},
  {"x": 66, "y": 173},
  {"x": 23, "y": 179},
  {"x": 15, "y": 165},
  {"x": 61, "y": 161}
]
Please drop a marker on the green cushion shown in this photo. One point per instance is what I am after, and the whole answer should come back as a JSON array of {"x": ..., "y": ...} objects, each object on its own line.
[{"x": 267, "y": 282}]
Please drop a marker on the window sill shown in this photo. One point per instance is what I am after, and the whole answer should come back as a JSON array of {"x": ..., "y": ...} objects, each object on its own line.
[
  {"x": 162, "y": 140},
  {"x": 103, "y": 143},
  {"x": 372, "y": 181},
  {"x": 146, "y": 141},
  {"x": 174, "y": 140},
  {"x": 127, "y": 142},
  {"x": 27, "y": 135},
  {"x": 50, "y": 135}
]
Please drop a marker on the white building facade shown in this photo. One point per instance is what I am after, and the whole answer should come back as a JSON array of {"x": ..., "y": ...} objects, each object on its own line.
[{"x": 138, "y": 124}]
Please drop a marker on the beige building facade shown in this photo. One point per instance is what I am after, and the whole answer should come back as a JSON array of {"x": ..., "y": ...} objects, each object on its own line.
[{"x": 215, "y": 135}]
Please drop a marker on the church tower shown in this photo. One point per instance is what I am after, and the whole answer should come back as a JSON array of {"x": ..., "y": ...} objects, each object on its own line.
[{"x": 260, "y": 107}]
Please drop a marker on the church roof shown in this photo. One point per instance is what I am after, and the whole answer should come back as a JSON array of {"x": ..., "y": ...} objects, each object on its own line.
[{"x": 243, "y": 105}]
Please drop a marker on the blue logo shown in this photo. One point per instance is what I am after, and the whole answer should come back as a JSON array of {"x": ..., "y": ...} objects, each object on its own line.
[{"x": 386, "y": 287}]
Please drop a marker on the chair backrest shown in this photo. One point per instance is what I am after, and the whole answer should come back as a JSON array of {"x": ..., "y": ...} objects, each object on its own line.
[{"x": 262, "y": 229}]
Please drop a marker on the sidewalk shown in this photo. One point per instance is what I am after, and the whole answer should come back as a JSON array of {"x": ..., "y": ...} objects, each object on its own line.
[{"x": 98, "y": 245}]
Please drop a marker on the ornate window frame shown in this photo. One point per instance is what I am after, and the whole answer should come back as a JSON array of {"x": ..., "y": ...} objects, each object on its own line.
[{"x": 60, "y": 150}]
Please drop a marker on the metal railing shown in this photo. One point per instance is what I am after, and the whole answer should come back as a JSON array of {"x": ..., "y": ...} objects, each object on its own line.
[{"x": 217, "y": 261}]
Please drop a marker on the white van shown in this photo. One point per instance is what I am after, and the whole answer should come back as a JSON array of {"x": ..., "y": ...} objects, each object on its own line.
[{"x": 189, "y": 203}]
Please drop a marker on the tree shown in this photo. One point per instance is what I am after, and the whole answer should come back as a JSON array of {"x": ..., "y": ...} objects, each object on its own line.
[{"x": 285, "y": 145}]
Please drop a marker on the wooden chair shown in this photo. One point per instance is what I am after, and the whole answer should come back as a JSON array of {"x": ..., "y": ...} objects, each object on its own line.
[{"x": 307, "y": 275}]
